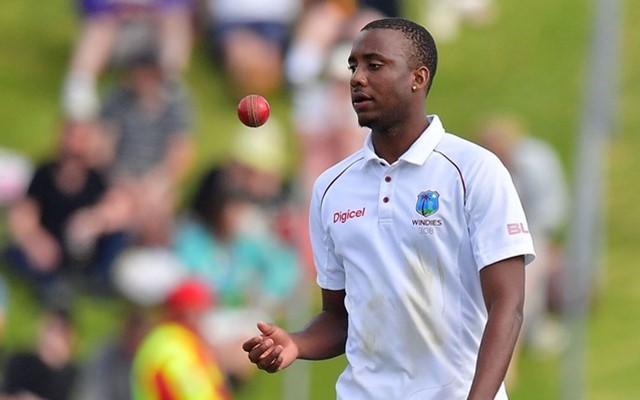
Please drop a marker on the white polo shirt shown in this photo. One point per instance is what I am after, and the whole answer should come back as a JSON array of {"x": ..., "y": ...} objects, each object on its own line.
[{"x": 407, "y": 241}]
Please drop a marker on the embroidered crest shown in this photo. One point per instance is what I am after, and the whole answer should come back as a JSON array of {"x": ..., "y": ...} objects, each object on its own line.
[{"x": 427, "y": 203}]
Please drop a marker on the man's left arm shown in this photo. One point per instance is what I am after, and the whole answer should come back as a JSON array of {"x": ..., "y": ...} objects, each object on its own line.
[{"x": 503, "y": 292}]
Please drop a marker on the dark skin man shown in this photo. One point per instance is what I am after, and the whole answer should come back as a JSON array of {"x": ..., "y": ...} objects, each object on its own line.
[{"x": 389, "y": 87}]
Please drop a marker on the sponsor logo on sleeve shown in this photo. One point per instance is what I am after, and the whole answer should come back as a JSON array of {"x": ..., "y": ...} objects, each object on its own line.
[{"x": 517, "y": 228}]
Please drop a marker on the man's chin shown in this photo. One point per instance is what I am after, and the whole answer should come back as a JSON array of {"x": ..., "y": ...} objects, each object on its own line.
[{"x": 365, "y": 122}]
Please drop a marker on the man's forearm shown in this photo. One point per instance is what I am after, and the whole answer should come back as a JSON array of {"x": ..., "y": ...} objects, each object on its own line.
[
  {"x": 324, "y": 337},
  {"x": 496, "y": 349}
]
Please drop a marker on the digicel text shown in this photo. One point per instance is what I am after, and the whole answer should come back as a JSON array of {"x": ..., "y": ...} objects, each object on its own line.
[{"x": 347, "y": 215}]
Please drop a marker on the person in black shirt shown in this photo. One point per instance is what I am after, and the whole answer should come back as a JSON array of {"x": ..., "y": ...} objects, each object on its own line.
[
  {"x": 48, "y": 372},
  {"x": 63, "y": 223}
]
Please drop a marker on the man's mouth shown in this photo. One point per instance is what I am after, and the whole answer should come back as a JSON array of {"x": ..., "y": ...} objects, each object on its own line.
[{"x": 360, "y": 100}]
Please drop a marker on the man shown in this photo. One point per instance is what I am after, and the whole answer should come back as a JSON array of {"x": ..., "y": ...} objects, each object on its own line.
[
  {"x": 538, "y": 176},
  {"x": 64, "y": 226},
  {"x": 47, "y": 371},
  {"x": 419, "y": 242},
  {"x": 146, "y": 121},
  {"x": 112, "y": 32},
  {"x": 174, "y": 361}
]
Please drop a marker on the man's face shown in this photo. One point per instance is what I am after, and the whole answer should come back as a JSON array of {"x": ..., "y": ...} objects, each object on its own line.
[
  {"x": 381, "y": 78},
  {"x": 145, "y": 79},
  {"x": 79, "y": 140}
]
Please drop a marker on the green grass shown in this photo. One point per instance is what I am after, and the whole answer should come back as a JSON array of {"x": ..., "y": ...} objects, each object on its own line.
[{"x": 531, "y": 61}]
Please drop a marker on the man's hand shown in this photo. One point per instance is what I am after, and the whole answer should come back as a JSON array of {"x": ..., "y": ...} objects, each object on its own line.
[
  {"x": 42, "y": 251},
  {"x": 272, "y": 351}
]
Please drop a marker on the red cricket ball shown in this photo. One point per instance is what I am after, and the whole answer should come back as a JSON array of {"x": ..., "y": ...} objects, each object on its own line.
[{"x": 253, "y": 110}]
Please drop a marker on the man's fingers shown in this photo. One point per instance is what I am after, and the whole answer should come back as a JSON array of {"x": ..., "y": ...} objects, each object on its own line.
[
  {"x": 251, "y": 343},
  {"x": 261, "y": 351},
  {"x": 271, "y": 361},
  {"x": 265, "y": 328},
  {"x": 275, "y": 366}
]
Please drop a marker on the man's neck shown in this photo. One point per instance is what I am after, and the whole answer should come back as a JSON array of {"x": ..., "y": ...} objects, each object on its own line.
[{"x": 392, "y": 143}]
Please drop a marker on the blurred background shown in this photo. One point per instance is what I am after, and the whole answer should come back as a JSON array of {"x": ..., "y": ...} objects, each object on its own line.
[{"x": 125, "y": 174}]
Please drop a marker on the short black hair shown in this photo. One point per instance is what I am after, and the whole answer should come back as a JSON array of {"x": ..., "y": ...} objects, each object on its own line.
[
  {"x": 213, "y": 193},
  {"x": 423, "y": 51}
]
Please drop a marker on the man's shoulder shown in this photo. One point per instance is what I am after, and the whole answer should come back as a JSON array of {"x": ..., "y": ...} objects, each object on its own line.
[
  {"x": 463, "y": 152},
  {"x": 42, "y": 179},
  {"x": 46, "y": 167},
  {"x": 25, "y": 360}
]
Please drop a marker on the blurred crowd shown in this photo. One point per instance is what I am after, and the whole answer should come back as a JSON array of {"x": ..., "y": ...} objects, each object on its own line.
[{"x": 106, "y": 215}]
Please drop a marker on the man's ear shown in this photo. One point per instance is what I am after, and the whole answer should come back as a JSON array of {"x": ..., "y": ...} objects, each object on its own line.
[{"x": 421, "y": 77}]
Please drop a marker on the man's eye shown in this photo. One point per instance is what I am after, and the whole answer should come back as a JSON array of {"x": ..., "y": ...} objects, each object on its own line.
[
  {"x": 352, "y": 68},
  {"x": 374, "y": 66}
]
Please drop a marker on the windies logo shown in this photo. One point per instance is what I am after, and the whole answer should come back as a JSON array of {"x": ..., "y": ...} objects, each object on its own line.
[{"x": 427, "y": 203}]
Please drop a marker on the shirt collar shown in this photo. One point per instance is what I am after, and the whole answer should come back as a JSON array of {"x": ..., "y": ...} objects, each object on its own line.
[{"x": 419, "y": 150}]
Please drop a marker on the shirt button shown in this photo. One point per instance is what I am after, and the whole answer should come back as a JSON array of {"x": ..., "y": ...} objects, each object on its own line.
[
  {"x": 385, "y": 200},
  {"x": 387, "y": 179}
]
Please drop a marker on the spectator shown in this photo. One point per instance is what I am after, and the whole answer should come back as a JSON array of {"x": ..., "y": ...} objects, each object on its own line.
[
  {"x": 117, "y": 30},
  {"x": 244, "y": 269},
  {"x": 257, "y": 167},
  {"x": 48, "y": 372},
  {"x": 539, "y": 179},
  {"x": 252, "y": 274},
  {"x": 249, "y": 38},
  {"x": 315, "y": 33},
  {"x": 148, "y": 119},
  {"x": 173, "y": 361},
  {"x": 63, "y": 225},
  {"x": 320, "y": 25},
  {"x": 107, "y": 376}
]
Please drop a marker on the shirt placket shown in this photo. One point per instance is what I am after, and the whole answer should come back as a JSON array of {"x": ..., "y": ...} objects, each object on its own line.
[{"x": 386, "y": 198}]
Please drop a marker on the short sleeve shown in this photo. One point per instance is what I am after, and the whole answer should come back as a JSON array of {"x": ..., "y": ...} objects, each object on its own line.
[
  {"x": 498, "y": 227},
  {"x": 329, "y": 268}
]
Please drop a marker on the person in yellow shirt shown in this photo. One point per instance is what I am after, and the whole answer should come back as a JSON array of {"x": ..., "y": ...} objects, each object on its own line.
[{"x": 173, "y": 361}]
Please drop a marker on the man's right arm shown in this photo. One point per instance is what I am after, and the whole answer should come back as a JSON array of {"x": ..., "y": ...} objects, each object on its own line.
[
  {"x": 40, "y": 247},
  {"x": 324, "y": 337}
]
